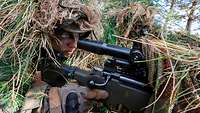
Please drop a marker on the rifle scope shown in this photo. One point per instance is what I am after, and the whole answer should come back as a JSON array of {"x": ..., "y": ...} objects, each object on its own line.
[{"x": 102, "y": 48}]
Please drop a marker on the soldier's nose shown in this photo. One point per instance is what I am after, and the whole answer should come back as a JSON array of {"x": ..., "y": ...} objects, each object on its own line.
[{"x": 72, "y": 44}]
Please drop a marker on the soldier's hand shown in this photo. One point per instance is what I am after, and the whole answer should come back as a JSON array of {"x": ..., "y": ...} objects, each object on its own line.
[
  {"x": 83, "y": 94},
  {"x": 96, "y": 94}
]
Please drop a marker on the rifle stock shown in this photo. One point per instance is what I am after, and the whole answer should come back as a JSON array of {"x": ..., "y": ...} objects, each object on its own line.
[{"x": 130, "y": 93}]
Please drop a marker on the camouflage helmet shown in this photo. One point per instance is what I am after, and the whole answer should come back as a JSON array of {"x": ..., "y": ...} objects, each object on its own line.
[
  {"x": 77, "y": 17},
  {"x": 70, "y": 15}
]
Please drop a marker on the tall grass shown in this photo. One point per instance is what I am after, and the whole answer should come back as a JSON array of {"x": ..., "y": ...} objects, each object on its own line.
[{"x": 19, "y": 42}]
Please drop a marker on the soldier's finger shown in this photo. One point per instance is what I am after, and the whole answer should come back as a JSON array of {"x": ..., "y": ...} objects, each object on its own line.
[{"x": 97, "y": 94}]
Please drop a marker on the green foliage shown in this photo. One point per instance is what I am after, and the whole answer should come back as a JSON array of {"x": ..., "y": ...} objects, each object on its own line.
[
  {"x": 11, "y": 101},
  {"x": 85, "y": 1},
  {"x": 103, "y": 109},
  {"x": 109, "y": 31},
  {"x": 6, "y": 69}
]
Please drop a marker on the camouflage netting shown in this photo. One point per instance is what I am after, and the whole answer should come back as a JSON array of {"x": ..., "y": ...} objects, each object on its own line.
[{"x": 24, "y": 28}]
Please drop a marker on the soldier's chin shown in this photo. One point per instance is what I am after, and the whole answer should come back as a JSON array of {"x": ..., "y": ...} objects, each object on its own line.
[{"x": 68, "y": 54}]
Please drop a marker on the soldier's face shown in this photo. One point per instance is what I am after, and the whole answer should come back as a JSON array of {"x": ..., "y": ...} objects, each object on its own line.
[
  {"x": 66, "y": 43},
  {"x": 69, "y": 43}
]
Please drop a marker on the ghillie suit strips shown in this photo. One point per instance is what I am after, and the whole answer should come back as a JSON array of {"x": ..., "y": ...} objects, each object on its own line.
[
  {"x": 25, "y": 27},
  {"x": 172, "y": 60},
  {"x": 134, "y": 18},
  {"x": 177, "y": 81}
]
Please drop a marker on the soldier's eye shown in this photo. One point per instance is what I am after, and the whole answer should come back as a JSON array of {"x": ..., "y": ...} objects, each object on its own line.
[{"x": 66, "y": 35}]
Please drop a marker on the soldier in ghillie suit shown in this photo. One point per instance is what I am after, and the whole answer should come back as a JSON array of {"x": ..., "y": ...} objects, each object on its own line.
[{"x": 49, "y": 93}]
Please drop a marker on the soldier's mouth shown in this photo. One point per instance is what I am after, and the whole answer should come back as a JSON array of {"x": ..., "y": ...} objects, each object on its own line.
[{"x": 69, "y": 53}]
